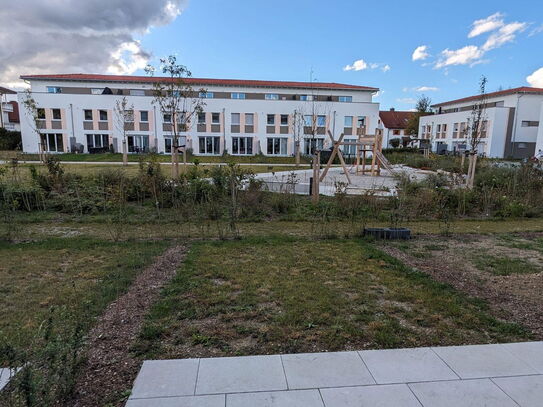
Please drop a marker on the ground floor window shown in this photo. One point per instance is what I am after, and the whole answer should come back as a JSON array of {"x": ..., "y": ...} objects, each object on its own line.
[
  {"x": 277, "y": 146},
  {"x": 312, "y": 144},
  {"x": 209, "y": 145},
  {"x": 52, "y": 142},
  {"x": 349, "y": 150},
  {"x": 138, "y": 143},
  {"x": 97, "y": 141},
  {"x": 168, "y": 143},
  {"x": 242, "y": 145}
]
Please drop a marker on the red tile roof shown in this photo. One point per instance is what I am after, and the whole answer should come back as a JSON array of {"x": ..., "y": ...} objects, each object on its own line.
[
  {"x": 200, "y": 81},
  {"x": 513, "y": 91},
  {"x": 393, "y": 119},
  {"x": 13, "y": 117},
  {"x": 6, "y": 91}
]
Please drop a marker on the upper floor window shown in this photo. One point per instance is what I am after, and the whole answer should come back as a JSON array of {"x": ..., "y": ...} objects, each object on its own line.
[
  {"x": 206, "y": 95},
  {"x": 271, "y": 96},
  {"x": 345, "y": 98},
  {"x": 167, "y": 118},
  {"x": 215, "y": 118},
  {"x": 137, "y": 92},
  {"x": 129, "y": 115},
  {"x": 308, "y": 120},
  {"x": 144, "y": 116},
  {"x": 103, "y": 115},
  {"x": 348, "y": 121},
  {"x": 321, "y": 121},
  {"x": 530, "y": 123},
  {"x": 96, "y": 91},
  {"x": 249, "y": 119},
  {"x": 270, "y": 119},
  {"x": 306, "y": 97},
  {"x": 56, "y": 114},
  {"x": 235, "y": 119},
  {"x": 284, "y": 120},
  {"x": 236, "y": 95},
  {"x": 87, "y": 114},
  {"x": 54, "y": 89},
  {"x": 201, "y": 118},
  {"x": 361, "y": 121}
]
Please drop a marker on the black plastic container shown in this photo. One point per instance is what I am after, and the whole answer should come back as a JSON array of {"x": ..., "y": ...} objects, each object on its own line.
[{"x": 388, "y": 233}]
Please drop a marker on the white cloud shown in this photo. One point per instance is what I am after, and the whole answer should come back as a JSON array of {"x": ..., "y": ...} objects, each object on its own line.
[
  {"x": 386, "y": 68},
  {"x": 536, "y": 31},
  {"x": 407, "y": 101},
  {"x": 505, "y": 34},
  {"x": 420, "y": 53},
  {"x": 469, "y": 54},
  {"x": 358, "y": 65},
  {"x": 426, "y": 89},
  {"x": 536, "y": 78},
  {"x": 485, "y": 25}
]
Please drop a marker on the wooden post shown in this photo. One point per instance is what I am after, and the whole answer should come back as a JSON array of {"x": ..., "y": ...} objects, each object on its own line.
[{"x": 316, "y": 180}]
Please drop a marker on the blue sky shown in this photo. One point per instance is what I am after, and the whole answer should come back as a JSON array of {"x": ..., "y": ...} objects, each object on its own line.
[{"x": 285, "y": 39}]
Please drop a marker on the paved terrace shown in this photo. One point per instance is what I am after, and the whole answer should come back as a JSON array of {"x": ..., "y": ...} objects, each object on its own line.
[{"x": 505, "y": 375}]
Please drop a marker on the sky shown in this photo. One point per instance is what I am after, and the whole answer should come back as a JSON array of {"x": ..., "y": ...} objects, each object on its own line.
[{"x": 406, "y": 49}]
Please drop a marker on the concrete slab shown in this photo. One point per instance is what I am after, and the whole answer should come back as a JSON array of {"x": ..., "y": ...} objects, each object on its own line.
[
  {"x": 187, "y": 401},
  {"x": 529, "y": 352},
  {"x": 527, "y": 391},
  {"x": 391, "y": 395},
  {"x": 240, "y": 374},
  {"x": 478, "y": 361},
  {"x": 292, "y": 398},
  {"x": 166, "y": 378},
  {"x": 464, "y": 393},
  {"x": 406, "y": 365},
  {"x": 318, "y": 370}
]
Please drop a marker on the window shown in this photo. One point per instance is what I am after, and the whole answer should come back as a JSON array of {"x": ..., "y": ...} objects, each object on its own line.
[
  {"x": 395, "y": 132},
  {"x": 349, "y": 150},
  {"x": 41, "y": 113},
  {"x": 215, "y": 118},
  {"x": 321, "y": 121},
  {"x": 361, "y": 120},
  {"x": 201, "y": 118},
  {"x": 138, "y": 143},
  {"x": 53, "y": 142},
  {"x": 438, "y": 128},
  {"x": 444, "y": 128},
  {"x": 206, "y": 95},
  {"x": 129, "y": 115},
  {"x": 277, "y": 146},
  {"x": 144, "y": 116},
  {"x": 308, "y": 120},
  {"x": 56, "y": 114},
  {"x": 237, "y": 95},
  {"x": 530, "y": 123},
  {"x": 455, "y": 130},
  {"x": 271, "y": 96},
  {"x": 270, "y": 119},
  {"x": 167, "y": 118},
  {"x": 54, "y": 89},
  {"x": 96, "y": 91},
  {"x": 345, "y": 98},
  {"x": 306, "y": 97},
  {"x": 348, "y": 121},
  {"x": 249, "y": 119},
  {"x": 88, "y": 114},
  {"x": 137, "y": 92},
  {"x": 313, "y": 144},
  {"x": 103, "y": 115},
  {"x": 209, "y": 145},
  {"x": 484, "y": 126},
  {"x": 284, "y": 120},
  {"x": 97, "y": 141},
  {"x": 235, "y": 119},
  {"x": 242, "y": 145}
]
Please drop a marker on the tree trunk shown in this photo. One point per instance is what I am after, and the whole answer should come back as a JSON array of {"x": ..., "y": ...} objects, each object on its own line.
[
  {"x": 175, "y": 161},
  {"x": 462, "y": 159},
  {"x": 297, "y": 147},
  {"x": 468, "y": 174},
  {"x": 473, "y": 167},
  {"x": 316, "y": 176},
  {"x": 125, "y": 152}
]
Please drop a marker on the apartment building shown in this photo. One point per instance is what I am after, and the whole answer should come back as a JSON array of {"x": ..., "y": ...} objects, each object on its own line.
[
  {"x": 511, "y": 129},
  {"x": 240, "y": 117},
  {"x": 394, "y": 123},
  {"x": 9, "y": 110}
]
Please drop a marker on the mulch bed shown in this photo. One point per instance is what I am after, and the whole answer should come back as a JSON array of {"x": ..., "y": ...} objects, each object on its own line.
[{"x": 109, "y": 368}]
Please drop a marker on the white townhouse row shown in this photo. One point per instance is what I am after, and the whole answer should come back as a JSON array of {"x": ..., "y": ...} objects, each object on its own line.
[
  {"x": 241, "y": 117},
  {"x": 513, "y": 125}
]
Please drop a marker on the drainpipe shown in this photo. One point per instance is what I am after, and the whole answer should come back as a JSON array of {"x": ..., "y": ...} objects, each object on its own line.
[
  {"x": 224, "y": 128},
  {"x": 515, "y": 126}
]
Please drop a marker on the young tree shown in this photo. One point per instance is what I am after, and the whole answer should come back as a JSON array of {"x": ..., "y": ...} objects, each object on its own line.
[
  {"x": 124, "y": 115},
  {"x": 298, "y": 131},
  {"x": 37, "y": 117},
  {"x": 176, "y": 98},
  {"x": 422, "y": 108},
  {"x": 475, "y": 130}
]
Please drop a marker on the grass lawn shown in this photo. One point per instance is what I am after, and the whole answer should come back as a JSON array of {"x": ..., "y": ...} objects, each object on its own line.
[
  {"x": 82, "y": 274},
  {"x": 277, "y": 295}
]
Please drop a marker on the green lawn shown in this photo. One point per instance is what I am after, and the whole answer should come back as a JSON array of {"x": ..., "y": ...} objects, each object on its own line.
[{"x": 276, "y": 295}]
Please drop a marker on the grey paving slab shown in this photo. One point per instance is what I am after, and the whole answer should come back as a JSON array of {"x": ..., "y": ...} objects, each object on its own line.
[
  {"x": 527, "y": 391},
  {"x": 187, "y": 401},
  {"x": 291, "y": 398},
  {"x": 529, "y": 352},
  {"x": 461, "y": 393},
  {"x": 314, "y": 370},
  {"x": 240, "y": 374},
  {"x": 5, "y": 375},
  {"x": 479, "y": 361},
  {"x": 166, "y": 378},
  {"x": 388, "y": 395},
  {"x": 406, "y": 365}
]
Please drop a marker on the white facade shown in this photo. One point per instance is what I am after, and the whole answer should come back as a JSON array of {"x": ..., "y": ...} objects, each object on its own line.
[
  {"x": 513, "y": 124},
  {"x": 76, "y": 119},
  {"x": 6, "y": 110}
]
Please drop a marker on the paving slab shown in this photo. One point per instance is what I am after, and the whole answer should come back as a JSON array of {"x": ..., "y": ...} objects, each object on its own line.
[
  {"x": 186, "y": 401},
  {"x": 529, "y": 352},
  {"x": 527, "y": 391},
  {"x": 461, "y": 393},
  {"x": 406, "y": 365},
  {"x": 292, "y": 398},
  {"x": 390, "y": 395},
  {"x": 240, "y": 374},
  {"x": 5, "y": 375},
  {"x": 479, "y": 361},
  {"x": 166, "y": 378},
  {"x": 319, "y": 370}
]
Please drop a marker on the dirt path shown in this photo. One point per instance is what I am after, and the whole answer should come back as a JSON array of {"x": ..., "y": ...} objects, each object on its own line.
[{"x": 110, "y": 368}]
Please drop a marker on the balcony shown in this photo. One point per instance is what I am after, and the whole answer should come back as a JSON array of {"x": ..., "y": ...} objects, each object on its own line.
[{"x": 7, "y": 107}]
